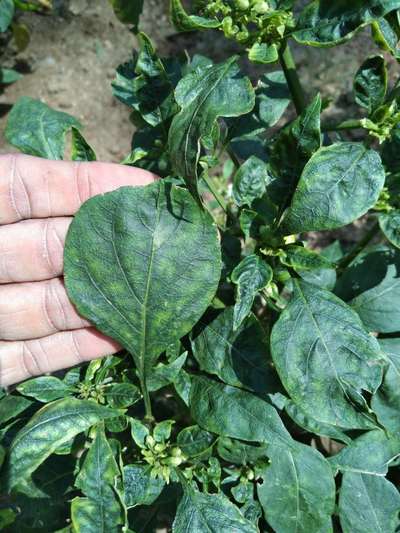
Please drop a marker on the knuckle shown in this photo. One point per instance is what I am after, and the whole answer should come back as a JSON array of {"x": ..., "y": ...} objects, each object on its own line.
[
  {"x": 51, "y": 248},
  {"x": 76, "y": 347},
  {"x": 31, "y": 359},
  {"x": 82, "y": 182}
]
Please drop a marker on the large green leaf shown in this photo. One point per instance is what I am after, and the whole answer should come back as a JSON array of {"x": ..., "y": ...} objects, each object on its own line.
[
  {"x": 371, "y": 453},
  {"x": 272, "y": 97},
  {"x": 142, "y": 264},
  {"x": 386, "y": 401},
  {"x": 338, "y": 185},
  {"x": 368, "y": 504},
  {"x": 206, "y": 93},
  {"x": 370, "y": 83},
  {"x": 97, "y": 479},
  {"x": 232, "y": 412},
  {"x": 6, "y": 14},
  {"x": 327, "y": 23},
  {"x": 297, "y": 490},
  {"x": 51, "y": 427},
  {"x": 36, "y": 129},
  {"x": 204, "y": 513},
  {"x": 325, "y": 358},
  {"x": 238, "y": 357}
]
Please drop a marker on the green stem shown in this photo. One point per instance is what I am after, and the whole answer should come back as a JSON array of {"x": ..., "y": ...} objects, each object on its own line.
[
  {"x": 289, "y": 68},
  {"x": 215, "y": 193},
  {"x": 358, "y": 248},
  {"x": 146, "y": 399},
  {"x": 354, "y": 124},
  {"x": 232, "y": 155}
]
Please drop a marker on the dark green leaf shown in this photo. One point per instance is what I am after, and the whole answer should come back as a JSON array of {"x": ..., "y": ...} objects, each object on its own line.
[
  {"x": 97, "y": 479},
  {"x": 121, "y": 395},
  {"x": 45, "y": 388},
  {"x": 327, "y": 23},
  {"x": 201, "y": 513},
  {"x": 251, "y": 275},
  {"x": 371, "y": 453},
  {"x": 368, "y": 504},
  {"x": 165, "y": 374},
  {"x": 386, "y": 402},
  {"x": 128, "y": 11},
  {"x": 294, "y": 146},
  {"x": 238, "y": 357},
  {"x": 140, "y": 488},
  {"x": 11, "y": 406},
  {"x": 184, "y": 22},
  {"x": 297, "y": 490},
  {"x": 272, "y": 97},
  {"x": 81, "y": 151},
  {"x": 195, "y": 442},
  {"x": 338, "y": 185},
  {"x": 370, "y": 83},
  {"x": 238, "y": 452},
  {"x": 249, "y": 182},
  {"x": 232, "y": 412},
  {"x": 325, "y": 358},
  {"x": 146, "y": 85},
  {"x": 390, "y": 225},
  {"x": 204, "y": 95},
  {"x": 158, "y": 270},
  {"x": 52, "y": 426},
  {"x": 310, "y": 424},
  {"x": 37, "y": 129}
]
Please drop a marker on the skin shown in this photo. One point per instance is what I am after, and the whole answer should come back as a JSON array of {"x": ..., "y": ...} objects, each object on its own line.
[{"x": 40, "y": 330}]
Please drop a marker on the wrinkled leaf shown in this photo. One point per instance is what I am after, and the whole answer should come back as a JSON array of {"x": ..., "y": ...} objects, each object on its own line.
[
  {"x": 251, "y": 275},
  {"x": 203, "y": 95},
  {"x": 325, "y": 358},
  {"x": 45, "y": 388},
  {"x": 390, "y": 225},
  {"x": 238, "y": 357},
  {"x": 81, "y": 151},
  {"x": 338, "y": 185},
  {"x": 184, "y": 22},
  {"x": 165, "y": 261},
  {"x": 250, "y": 181},
  {"x": 97, "y": 479},
  {"x": 128, "y": 11},
  {"x": 37, "y": 129},
  {"x": 52, "y": 426},
  {"x": 370, "y": 83},
  {"x": 139, "y": 487},
  {"x": 202, "y": 513}
]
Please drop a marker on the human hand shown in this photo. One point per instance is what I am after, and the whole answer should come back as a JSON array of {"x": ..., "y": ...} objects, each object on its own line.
[{"x": 40, "y": 331}]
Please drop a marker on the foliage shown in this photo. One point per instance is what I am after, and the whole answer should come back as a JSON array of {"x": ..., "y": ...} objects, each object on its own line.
[{"x": 258, "y": 385}]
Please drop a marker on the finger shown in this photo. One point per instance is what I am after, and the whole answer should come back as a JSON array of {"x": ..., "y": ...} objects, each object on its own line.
[
  {"x": 32, "y": 250},
  {"x": 31, "y": 187},
  {"x": 24, "y": 359},
  {"x": 33, "y": 310}
]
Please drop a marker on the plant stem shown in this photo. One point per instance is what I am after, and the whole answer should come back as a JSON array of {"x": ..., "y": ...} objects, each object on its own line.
[
  {"x": 215, "y": 193},
  {"x": 358, "y": 248},
  {"x": 232, "y": 155},
  {"x": 289, "y": 68},
  {"x": 146, "y": 399},
  {"x": 354, "y": 124}
]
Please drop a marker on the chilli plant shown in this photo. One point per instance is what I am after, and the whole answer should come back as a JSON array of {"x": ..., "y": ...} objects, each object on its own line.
[{"x": 259, "y": 385}]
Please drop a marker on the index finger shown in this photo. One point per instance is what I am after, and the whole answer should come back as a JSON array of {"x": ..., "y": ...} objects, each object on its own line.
[{"x": 31, "y": 187}]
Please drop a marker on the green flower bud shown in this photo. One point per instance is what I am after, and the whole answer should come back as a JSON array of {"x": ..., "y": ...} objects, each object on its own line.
[
  {"x": 159, "y": 448},
  {"x": 261, "y": 8},
  {"x": 242, "y": 4}
]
